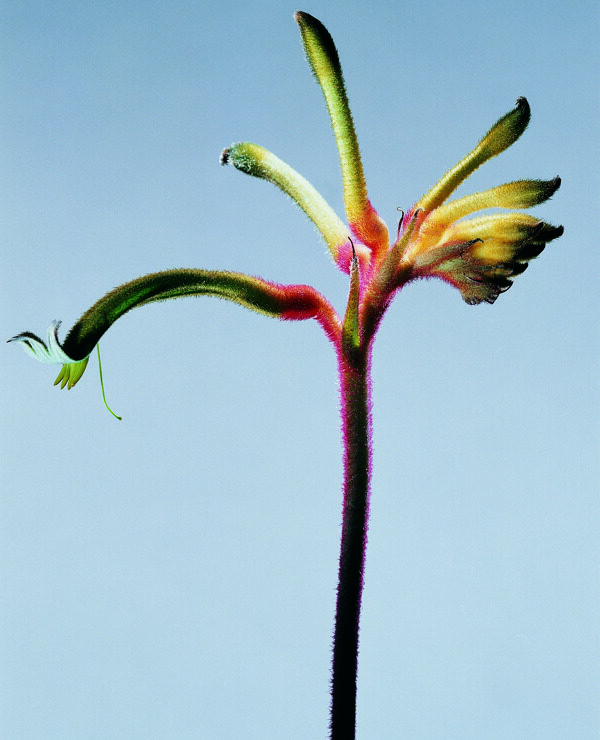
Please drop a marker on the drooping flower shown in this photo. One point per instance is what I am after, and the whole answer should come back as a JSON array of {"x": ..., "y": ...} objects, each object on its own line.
[{"x": 291, "y": 302}]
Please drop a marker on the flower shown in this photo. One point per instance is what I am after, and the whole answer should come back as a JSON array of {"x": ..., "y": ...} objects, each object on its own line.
[
  {"x": 479, "y": 256},
  {"x": 52, "y": 352},
  {"x": 291, "y": 302}
]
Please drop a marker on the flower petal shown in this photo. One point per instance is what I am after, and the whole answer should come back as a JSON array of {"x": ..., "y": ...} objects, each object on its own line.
[{"x": 50, "y": 351}]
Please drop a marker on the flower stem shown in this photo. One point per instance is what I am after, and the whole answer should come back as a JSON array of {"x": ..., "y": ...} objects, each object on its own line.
[{"x": 356, "y": 426}]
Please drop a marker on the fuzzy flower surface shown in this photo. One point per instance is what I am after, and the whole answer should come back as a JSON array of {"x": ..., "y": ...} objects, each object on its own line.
[{"x": 478, "y": 253}]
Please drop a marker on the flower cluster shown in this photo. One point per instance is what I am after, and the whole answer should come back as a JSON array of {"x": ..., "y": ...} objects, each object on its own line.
[{"x": 480, "y": 255}]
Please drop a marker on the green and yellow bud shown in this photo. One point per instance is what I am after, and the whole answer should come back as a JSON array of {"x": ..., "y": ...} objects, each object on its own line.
[
  {"x": 503, "y": 134},
  {"x": 259, "y": 162},
  {"x": 351, "y": 325},
  {"x": 325, "y": 64},
  {"x": 518, "y": 194}
]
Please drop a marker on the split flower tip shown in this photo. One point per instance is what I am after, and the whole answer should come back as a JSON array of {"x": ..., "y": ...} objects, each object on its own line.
[
  {"x": 51, "y": 352},
  {"x": 482, "y": 256}
]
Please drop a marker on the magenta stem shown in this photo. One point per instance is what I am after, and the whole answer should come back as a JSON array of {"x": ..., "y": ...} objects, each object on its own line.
[{"x": 356, "y": 427}]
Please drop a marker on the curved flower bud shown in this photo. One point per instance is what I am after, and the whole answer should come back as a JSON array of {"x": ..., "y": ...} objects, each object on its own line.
[
  {"x": 351, "y": 326},
  {"x": 259, "y": 162},
  {"x": 502, "y": 134},
  {"x": 519, "y": 194},
  {"x": 292, "y": 302},
  {"x": 324, "y": 61}
]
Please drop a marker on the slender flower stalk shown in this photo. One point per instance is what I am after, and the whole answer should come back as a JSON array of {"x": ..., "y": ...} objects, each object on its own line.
[
  {"x": 479, "y": 255},
  {"x": 355, "y": 392}
]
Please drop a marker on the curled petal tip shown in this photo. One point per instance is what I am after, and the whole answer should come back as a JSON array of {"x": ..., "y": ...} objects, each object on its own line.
[
  {"x": 303, "y": 18},
  {"x": 502, "y": 134},
  {"x": 547, "y": 188},
  {"x": 506, "y": 130},
  {"x": 51, "y": 352},
  {"x": 523, "y": 103},
  {"x": 483, "y": 255}
]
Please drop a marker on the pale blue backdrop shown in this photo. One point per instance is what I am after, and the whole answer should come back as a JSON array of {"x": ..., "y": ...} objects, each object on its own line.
[{"x": 173, "y": 575}]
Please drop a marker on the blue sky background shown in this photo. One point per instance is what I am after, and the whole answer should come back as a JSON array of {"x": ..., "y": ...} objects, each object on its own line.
[{"x": 173, "y": 575}]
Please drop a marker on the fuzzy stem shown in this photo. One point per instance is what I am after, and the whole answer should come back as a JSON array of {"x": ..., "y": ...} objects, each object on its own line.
[{"x": 354, "y": 367}]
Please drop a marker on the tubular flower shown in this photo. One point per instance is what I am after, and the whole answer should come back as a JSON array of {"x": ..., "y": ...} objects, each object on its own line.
[{"x": 291, "y": 302}]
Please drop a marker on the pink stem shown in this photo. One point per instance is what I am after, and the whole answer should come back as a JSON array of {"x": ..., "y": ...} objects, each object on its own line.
[{"x": 356, "y": 426}]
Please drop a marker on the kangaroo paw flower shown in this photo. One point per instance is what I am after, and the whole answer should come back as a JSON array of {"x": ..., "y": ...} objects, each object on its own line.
[
  {"x": 438, "y": 237},
  {"x": 481, "y": 256},
  {"x": 291, "y": 302}
]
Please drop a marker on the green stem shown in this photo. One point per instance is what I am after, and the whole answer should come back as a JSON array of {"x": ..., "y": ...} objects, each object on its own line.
[
  {"x": 120, "y": 418},
  {"x": 356, "y": 426}
]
